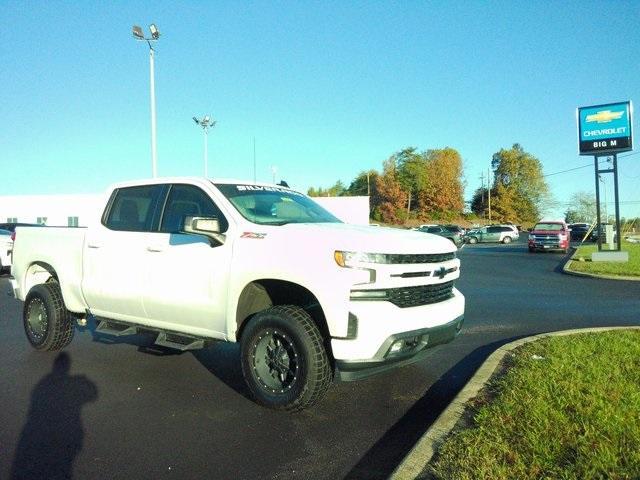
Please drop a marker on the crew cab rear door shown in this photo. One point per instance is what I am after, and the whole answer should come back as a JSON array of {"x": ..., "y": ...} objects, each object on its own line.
[{"x": 115, "y": 253}]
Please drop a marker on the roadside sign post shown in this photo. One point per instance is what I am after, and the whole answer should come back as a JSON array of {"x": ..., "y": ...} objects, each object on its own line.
[{"x": 605, "y": 131}]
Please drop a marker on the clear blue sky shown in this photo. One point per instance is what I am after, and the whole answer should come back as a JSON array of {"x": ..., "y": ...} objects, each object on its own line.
[{"x": 327, "y": 89}]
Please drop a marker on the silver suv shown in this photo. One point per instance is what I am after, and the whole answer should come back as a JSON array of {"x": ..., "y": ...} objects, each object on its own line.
[{"x": 492, "y": 233}]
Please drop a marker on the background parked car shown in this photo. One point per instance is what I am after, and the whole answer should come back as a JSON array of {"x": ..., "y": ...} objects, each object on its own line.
[
  {"x": 579, "y": 231},
  {"x": 454, "y": 229},
  {"x": 6, "y": 247},
  {"x": 455, "y": 237},
  {"x": 492, "y": 233}
]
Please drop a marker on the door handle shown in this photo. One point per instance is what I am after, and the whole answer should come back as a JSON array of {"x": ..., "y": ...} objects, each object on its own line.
[
  {"x": 93, "y": 245},
  {"x": 154, "y": 249}
]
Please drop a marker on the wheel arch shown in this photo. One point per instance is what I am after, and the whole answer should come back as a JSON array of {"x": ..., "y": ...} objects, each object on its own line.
[
  {"x": 261, "y": 294},
  {"x": 37, "y": 273}
]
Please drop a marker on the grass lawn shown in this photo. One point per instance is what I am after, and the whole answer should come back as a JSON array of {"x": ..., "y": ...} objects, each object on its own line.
[
  {"x": 566, "y": 408},
  {"x": 629, "y": 269}
]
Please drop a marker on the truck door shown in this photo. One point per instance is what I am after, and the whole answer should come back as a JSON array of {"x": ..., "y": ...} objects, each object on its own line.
[
  {"x": 115, "y": 252},
  {"x": 186, "y": 275}
]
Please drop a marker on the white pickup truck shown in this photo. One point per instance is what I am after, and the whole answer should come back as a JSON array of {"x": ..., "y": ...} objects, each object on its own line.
[{"x": 194, "y": 260}]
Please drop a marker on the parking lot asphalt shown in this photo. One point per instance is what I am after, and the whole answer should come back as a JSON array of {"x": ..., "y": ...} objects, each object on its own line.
[{"x": 122, "y": 408}]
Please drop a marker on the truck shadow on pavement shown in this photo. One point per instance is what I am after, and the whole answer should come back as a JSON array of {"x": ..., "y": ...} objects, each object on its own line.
[
  {"x": 53, "y": 434},
  {"x": 222, "y": 359},
  {"x": 388, "y": 452}
]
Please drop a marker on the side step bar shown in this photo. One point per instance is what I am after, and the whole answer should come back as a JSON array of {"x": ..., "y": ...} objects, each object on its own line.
[
  {"x": 178, "y": 341},
  {"x": 115, "y": 328}
]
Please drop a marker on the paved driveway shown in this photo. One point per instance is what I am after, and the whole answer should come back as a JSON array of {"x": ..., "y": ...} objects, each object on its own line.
[{"x": 136, "y": 411}]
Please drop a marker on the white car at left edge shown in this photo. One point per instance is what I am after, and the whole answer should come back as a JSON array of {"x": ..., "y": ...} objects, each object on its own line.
[{"x": 6, "y": 247}]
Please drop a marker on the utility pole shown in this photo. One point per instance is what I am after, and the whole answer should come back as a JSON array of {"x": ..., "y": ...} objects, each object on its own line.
[
  {"x": 482, "y": 187},
  {"x": 489, "y": 193}
]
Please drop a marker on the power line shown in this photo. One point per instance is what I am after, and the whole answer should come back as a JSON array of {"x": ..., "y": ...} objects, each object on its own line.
[{"x": 585, "y": 166}]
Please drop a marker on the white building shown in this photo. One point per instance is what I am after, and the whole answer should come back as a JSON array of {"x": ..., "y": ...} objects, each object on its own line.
[{"x": 81, "y": 210}]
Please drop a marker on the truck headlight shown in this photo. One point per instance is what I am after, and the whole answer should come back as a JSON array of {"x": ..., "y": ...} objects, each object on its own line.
[{"x": 356, "y": 259}]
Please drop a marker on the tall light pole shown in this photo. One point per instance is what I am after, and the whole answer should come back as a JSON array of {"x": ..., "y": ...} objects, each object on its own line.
[
  {"x": 155, "y": 34},
  {"x": 206, "y": 123}
]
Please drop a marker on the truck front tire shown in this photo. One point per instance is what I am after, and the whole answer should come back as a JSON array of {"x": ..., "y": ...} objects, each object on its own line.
[
  {"x": 47, "y": 322},
  {"x": 284, "y": 361}
]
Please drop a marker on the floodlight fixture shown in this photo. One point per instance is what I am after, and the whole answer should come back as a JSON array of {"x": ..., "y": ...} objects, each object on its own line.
[
  {"x": 137, "y": 32},
  {"x": 206, "y": 123},
  {"x": 155, "y": 33}
]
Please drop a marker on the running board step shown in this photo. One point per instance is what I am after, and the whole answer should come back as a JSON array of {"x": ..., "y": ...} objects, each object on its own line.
[
  {"x": 179, "y": 341},
  {"x": 115, "y": 328}
]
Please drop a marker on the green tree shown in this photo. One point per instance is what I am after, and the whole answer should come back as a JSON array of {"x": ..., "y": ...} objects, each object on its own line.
[
  {"x": 363, "y": 184},
  {"x": 480, "y": 202},
  {"x": 519, "y": 188},
  {"x": 582, "y": 208},
  {"x": 412, "y": 175}
]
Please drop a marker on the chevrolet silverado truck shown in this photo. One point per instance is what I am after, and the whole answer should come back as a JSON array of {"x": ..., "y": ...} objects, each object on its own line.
[
  {"x": 192, "y": 260},
  {"x": 549, "y": 235}
]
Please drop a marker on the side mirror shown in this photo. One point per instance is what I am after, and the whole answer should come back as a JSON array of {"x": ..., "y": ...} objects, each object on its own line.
[{"x": 207, "y": 226}]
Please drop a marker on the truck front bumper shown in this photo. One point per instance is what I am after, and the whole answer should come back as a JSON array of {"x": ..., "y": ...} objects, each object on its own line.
[
  {"x": 416, "y": 344},
  {"x": 388, "y": 336}
]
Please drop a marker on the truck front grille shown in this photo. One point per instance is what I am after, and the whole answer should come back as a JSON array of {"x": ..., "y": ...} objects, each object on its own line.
[
  {"x": 401, "y": 259},
  {"x": 405, "y": 297},
  {"x": 546, "y": 239}
]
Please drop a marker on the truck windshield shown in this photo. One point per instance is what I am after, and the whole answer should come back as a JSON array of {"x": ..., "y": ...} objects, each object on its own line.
[
  {"x": 548, "y": 226},
  {"x": 271, "y": 205}
]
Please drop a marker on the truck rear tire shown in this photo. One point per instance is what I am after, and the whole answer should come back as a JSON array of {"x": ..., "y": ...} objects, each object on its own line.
[
  {"x": 284, "y": 361},
  {"x": 47, "y": 322}
]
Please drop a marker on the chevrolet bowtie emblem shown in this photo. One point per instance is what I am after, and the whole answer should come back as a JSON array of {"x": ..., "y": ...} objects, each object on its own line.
[
  {"x": 442, "y": 272},
  {"x": 604, "y": 116}
]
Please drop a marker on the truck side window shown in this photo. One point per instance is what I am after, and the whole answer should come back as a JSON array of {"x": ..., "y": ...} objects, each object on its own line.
[
  {"x": 133, "y": 208},
  {"x": 189, "y": 201}
]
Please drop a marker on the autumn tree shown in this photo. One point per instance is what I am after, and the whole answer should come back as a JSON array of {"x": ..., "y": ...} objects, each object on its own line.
[
  {"x": 389, "y": 197},
  {"x": 519, "y": 190},
  {"x": 441, "y": 195}
]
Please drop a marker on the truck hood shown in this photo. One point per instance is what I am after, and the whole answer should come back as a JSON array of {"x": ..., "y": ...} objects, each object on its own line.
[
  {"x": 547, "y": 232},
  {"x": 356, "y": 238}
]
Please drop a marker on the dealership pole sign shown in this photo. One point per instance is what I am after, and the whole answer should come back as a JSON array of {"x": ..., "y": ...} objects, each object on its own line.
[{"x": 605, "y": 129}]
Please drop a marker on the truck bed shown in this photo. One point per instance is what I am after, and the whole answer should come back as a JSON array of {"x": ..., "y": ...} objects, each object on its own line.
[{"x": 40, "y": 249}]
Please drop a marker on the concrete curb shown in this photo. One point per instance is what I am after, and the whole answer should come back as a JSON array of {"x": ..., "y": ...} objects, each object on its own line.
[
  {"x": 422, "y": 452},
  {"x": 567, "y": 265}
]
